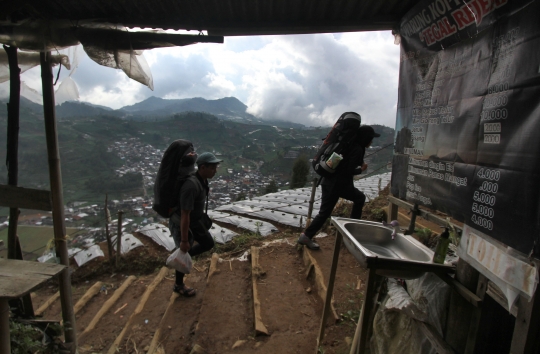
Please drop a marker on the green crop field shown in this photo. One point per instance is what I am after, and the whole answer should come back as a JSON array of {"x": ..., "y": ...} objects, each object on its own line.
[{"x": 33, "y": 240}]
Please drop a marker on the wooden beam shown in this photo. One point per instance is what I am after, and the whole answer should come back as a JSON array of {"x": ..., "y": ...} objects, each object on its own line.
[
  {"x": 468, "y": 295},
  {"x": 256, "y": 272},
  {"x": 25, "y": 198},
  {"x": 423, "y": 213},
  {"x": 435, "y": 338}
]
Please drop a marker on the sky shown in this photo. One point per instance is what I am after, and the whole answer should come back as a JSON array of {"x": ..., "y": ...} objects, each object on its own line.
[{"x": 307, "y": 79}]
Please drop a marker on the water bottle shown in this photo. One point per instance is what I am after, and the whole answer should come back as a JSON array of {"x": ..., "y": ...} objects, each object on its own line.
[{"x": 442, "y": 247}]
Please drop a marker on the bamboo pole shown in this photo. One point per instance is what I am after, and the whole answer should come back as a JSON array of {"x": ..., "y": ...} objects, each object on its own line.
[
  {"x": 13, "y": 142},
  {"x": 329, "y": 289},
  {"x": 119, "y": 239},
  {"x": 55, "y": 176},
  {"x": 12, "y": 160},
  {"x": 107, "y": 220},
  {"x": 312, "y": 200}
]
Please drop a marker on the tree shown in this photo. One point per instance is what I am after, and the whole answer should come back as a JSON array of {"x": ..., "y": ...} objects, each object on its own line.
[
  {"x": 241, "y": 196},
  {"x": 300, "y": 172},
  {"x": 271, "y": 187}
]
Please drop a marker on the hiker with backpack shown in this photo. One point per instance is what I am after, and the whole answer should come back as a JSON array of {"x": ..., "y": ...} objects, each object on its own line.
[
  {"x": 346, "y": 146},
  {"x": 190, "y": 222},
  {"x": 180, "y": 193}
]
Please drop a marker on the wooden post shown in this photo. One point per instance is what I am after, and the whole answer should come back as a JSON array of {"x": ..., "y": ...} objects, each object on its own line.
[
  {"x": 5, "y": 342},
  {"x": 330, "y": 288},
  {"x": 312, "y": 200},
  {"x": 107, "y": 217},
  {"x": 119, "y": 238},
  {"x": 525, "y": 338},
  {"x": 392, "y": 212},
  {"x": 13, "y": 142},
  {"x": 460, "y": 310},
  {"x": 361, "y": 335},
  {"x": 412, "y": 224},
  {"x": 57, "y": 198},
  {"x": 476, "y": 315}
]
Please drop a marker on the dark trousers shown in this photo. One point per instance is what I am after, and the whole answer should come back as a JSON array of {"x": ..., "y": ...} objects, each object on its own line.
[
  {"x": 205, "y": 242},
  {"x": 330, "y": 196}
]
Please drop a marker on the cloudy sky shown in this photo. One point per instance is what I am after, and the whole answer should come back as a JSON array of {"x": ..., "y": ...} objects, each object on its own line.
[{"x": 308, "y": 79}]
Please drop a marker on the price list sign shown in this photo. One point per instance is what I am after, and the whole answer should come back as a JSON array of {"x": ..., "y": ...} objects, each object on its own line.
[{"x": 468, "y": 120}]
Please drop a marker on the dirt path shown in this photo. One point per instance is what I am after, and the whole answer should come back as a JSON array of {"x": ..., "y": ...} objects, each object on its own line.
[{"x": 226, "y": 312}]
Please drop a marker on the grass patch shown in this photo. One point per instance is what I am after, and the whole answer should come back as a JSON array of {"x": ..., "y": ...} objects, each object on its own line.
[{"x": 33, "y": 239}]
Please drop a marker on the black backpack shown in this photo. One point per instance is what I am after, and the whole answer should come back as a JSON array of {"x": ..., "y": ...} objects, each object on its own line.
[
  {"x": 173, "y": 171},
  {"x": 337, "y": 140}
]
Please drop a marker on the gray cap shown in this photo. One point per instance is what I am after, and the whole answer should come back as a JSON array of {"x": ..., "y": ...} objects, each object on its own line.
[{"x": 207, "y": 157}]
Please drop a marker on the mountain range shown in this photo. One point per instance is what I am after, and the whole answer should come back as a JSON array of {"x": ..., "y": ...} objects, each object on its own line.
[{"x": 155, "y": 108}]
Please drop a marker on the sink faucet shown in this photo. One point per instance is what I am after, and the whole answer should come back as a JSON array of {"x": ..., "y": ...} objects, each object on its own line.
[{"x": 393, "y": 224}]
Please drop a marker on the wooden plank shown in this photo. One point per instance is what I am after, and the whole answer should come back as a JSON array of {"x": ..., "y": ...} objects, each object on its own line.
[
  {"x": 47, "y": 303},
  {"x": 256, "y": 272},
  {"x": 435, "y": 338},
  {"x": 115, "y": 346},
  {"x": 157, "y": 335},
  {"x": 213, "y": 266},
  {"x": 476, "y": 315},
  {"x": 468, "y": 295},
  {"x": 90, "y": 293},
  {"x": 25, "y": 198},
  {"x": 14, "y": 266},
  {"x": 108, "y": 304},
  {"x": 18, "y": 278}
]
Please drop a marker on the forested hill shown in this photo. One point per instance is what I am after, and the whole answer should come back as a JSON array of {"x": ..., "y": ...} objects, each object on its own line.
[{"x": 90, "y": 163}]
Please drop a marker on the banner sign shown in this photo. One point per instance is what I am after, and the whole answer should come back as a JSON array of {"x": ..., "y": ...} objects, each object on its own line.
[{"x": 468, "y": 117}]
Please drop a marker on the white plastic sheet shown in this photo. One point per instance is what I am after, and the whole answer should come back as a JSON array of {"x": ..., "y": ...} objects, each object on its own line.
[
  {"x": 262, "y": 227},
  {"x": 221, "y": 234},
  {"x": 87, "y": 255},
  {"x": 290, "y": 207},
  {"x": 128, "y": 243},
  {"x": 160, "y": 234},
  {"x": 395, "y": 327},
  {"x": 503, "y": 266}
]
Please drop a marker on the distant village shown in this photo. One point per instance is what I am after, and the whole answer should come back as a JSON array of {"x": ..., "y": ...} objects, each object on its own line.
[{"x": 140, "y": 157}]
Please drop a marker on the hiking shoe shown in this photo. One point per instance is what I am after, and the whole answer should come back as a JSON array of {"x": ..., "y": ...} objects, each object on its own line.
[
  {"x": 184, "y": 290},
  {"x": 306, "y": 241}
]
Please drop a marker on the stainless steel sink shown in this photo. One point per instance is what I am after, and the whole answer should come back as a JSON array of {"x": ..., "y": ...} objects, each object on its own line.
[{"x": 372, "y": 245}]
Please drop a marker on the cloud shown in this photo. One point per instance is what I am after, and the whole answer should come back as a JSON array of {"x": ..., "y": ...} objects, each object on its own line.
[{"x": 309, "y": 79}]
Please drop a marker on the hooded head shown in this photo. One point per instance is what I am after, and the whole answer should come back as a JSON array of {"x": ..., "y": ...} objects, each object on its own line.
[{"x": 365, "y": 135}]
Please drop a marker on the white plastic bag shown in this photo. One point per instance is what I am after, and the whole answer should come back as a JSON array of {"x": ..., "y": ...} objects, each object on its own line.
[{"x": 180, "y": 261}]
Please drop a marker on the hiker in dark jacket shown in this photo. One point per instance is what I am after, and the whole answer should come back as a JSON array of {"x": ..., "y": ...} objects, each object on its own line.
[
  {"x": 340, "y": 185},
  {"x": 189, "y": 226}
]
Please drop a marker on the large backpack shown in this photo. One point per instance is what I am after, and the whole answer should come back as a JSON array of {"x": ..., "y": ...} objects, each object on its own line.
[
  {"x": 172, "y": 172},
  {"x": 337, "y": 141}
]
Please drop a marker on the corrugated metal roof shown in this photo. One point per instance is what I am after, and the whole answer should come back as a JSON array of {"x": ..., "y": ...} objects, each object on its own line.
[{"x": 219, "y": 17}]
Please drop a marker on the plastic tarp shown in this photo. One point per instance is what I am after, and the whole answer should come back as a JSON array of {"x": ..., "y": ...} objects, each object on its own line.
[
  {"x": 88, "y": 254},
  {"x": 221, "y": 234},
  {"x": 267, "y": 214},
  {"x": 262, "y": 227},
  {"x": 395, "y": 326},
  {"x": 290, "y": 207},
  {"x": 160, "y": 234},
  {"x": 48, "y": 256},
  {"x": 129, "y": 242}
]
